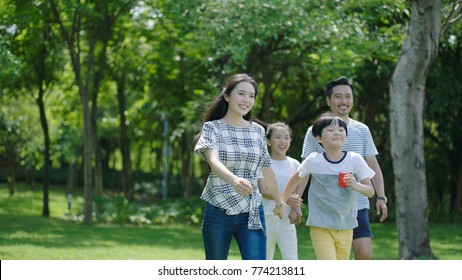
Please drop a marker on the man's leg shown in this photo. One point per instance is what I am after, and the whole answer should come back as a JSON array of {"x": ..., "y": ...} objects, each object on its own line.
[
  {"x": 362, "y": 237},
  {"x": 363, "y": 248}
]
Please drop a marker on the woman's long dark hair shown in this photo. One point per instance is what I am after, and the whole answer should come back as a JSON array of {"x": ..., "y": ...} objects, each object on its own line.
[{"x": 219, "y": 106}]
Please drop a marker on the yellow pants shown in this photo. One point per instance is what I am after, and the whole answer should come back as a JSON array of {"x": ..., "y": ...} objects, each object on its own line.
[{"x": 331, "y": 244}]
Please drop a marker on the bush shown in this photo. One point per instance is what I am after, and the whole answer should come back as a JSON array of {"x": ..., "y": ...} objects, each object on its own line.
[{"x": 118, "y": 210}]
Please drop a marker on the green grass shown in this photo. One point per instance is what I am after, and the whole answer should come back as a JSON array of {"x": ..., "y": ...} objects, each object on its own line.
[{"x": 25, "y": 235}]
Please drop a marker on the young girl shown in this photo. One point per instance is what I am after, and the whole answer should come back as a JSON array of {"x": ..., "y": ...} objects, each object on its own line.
[
  {"x": 332, "y": 208},
  {"x": 235, "y": 149},
  {"x": 280, "y": 232}
]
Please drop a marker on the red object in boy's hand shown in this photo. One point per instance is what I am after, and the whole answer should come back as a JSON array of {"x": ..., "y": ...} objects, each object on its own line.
[{"x": 341, "y": 178}]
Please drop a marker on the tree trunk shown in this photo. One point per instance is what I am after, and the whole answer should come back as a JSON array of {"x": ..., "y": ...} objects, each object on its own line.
[
  {"x": 127, "y": 174},
  {"x": 407, "y": 93},
  {"x": 46, "y": 153},
  {"x": 98, "y": 169},
  {"x": 30, "y": 177},
  {"x": 87, "y": 157},
  {"x": 11, "y": 156},
  {"x": 41, "y": 72},
  {"x": 74, "y": 52},
  {"x": 185, "y": 165},
  {"x": 72, "y": 180}
]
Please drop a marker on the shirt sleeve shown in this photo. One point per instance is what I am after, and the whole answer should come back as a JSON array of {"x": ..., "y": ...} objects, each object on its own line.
[
  {"x": 363, "y": 170},
  {"x": 207, "y": 139},
  {"x": 304, "y": 168},
  {"x": 369, "y": 147},
  {"x": 309, "y": 144},
  {"x": 265, "y": 157}
]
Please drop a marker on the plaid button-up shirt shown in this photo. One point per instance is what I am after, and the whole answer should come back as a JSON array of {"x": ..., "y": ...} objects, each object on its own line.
[{"x": 243, "y": 151}]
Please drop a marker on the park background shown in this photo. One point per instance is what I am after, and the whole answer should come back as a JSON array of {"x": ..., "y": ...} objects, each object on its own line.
[{"x": 101, "y": 101}]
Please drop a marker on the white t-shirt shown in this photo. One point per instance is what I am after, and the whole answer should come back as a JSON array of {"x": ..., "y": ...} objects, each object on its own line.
[
  {"x": 359, "y": 140},
  {"x": 329, "y": 205},
  {"x": 283, "y": 169}
]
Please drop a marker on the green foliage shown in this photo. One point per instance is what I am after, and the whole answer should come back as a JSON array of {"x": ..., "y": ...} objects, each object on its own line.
[
  {"x": 118, "y": 210},
  {"x": 9, "y": 72},
  {"x": 443, "y": 131},
  {"x": 19, "y": 127}
]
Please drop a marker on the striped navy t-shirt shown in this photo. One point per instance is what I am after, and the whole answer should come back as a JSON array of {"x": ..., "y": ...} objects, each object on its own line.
[{"x": 359, "y": 140}]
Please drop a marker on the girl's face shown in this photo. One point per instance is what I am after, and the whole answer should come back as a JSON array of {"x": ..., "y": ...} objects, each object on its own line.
[
  {"x": 332, "y": 136},
  {"x": 241, "y": 99},
  {"x": 279, "y": 142}
]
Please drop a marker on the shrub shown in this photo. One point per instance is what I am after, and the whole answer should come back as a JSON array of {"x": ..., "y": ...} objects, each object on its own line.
[{"x": 118, "y": 210}]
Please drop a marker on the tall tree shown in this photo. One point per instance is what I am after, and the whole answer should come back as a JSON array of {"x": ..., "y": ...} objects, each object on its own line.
[
  {"x": 33, "y": 46},
  {"x": 407, "y": 93},
  {"x": 42, "y": 66},
  {"x": 86, "y": 28}
]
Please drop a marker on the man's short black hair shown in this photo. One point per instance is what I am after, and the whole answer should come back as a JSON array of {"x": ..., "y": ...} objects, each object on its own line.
[{"x": 339, "y": 81}]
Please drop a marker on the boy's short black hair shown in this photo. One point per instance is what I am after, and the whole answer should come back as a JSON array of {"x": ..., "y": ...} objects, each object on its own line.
[
  {"x": 339, "y": 81},
  {"x": 325, "y": 120}
]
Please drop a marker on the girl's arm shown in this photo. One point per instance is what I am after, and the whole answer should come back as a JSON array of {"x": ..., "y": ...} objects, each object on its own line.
[
  {"x": 293, "y": 200},
  {"x": 272, "y": 185}
]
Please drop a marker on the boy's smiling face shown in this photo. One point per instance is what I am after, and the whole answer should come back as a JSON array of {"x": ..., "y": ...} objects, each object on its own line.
[{"x": 333, "y": 136}]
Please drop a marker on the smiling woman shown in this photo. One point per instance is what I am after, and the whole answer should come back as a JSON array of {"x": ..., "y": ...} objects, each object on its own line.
[{"x": 235, "y": 150}]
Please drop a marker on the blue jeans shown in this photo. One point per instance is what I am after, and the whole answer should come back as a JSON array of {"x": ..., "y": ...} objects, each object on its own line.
[{"x": 218, "y": 229}]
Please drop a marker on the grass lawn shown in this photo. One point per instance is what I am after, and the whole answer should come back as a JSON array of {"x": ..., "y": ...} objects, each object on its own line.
[{"x": 25, "y": 235}]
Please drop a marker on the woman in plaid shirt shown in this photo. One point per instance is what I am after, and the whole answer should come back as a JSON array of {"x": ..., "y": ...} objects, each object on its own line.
[{"x": 235, "y": 149}]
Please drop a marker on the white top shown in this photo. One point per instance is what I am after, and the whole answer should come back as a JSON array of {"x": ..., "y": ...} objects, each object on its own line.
[
  {"x": 329, "y": 205},
  {"x": 283, "y": 170}
]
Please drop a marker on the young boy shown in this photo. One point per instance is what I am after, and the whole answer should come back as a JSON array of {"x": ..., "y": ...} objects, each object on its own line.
[{"x": 332, "y": 200}]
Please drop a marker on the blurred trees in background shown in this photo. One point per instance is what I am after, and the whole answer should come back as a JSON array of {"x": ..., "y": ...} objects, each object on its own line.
[{"x": 84, "y": 86}]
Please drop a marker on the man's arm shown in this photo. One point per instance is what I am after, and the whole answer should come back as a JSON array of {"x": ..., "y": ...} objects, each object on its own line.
[{"x": 377, "y": 182}]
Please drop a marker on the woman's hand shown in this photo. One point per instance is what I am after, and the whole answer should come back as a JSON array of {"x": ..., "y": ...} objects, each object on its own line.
[{"x": 243, "y": 186}]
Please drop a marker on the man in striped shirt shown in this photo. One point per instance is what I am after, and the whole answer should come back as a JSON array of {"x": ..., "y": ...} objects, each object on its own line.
[{"x": 339, "y": 97}]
